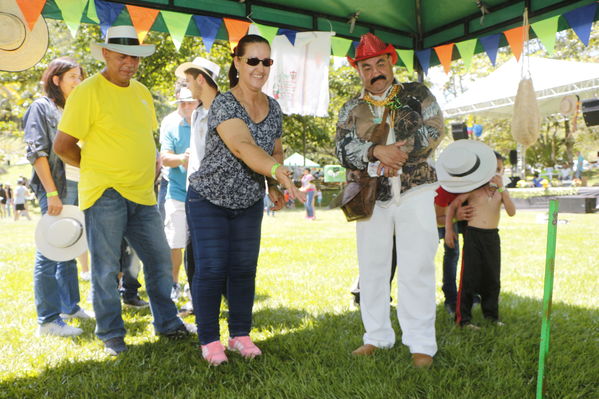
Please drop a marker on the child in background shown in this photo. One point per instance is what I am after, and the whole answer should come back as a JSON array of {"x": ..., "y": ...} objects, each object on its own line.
[{"x": 482, "y": 250}]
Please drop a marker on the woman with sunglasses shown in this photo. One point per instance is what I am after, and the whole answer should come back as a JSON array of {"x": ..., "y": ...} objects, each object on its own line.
[
  {"x": 55, "y": 284},
  {"x": 225, "y": 199}
]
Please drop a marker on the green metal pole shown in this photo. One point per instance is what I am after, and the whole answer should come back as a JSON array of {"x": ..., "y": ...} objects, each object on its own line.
[{"x": 548, "y": 293}]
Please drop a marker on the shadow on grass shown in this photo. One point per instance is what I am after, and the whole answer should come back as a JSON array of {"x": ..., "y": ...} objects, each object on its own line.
[{"x": 308, "y": 356}]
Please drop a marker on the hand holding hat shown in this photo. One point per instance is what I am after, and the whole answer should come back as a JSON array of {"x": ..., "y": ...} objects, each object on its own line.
[{"x": 62, "y": 237}]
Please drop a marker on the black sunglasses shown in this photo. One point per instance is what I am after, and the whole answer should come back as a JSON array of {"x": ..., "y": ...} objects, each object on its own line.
[{"x": 255, "y": 61}]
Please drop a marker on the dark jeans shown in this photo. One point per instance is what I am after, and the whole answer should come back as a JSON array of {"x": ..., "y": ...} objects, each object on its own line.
[
  {"x": 226, "y": 243},
  {"x": 162, "y": 197},
  {"x": 481, "y": 274},
  {"x": 450, "y": 264}
]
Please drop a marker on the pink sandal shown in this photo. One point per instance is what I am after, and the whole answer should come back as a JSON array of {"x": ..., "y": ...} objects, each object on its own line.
[
  {"x": 244, "y": 346},
  {"x": 214, "y": 353}
]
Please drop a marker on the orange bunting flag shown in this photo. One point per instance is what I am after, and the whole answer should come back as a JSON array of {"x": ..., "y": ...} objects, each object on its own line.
[
  {"x": 142, "y": 19},
  {"x": 236, "y": 29},
  {"x": 444, "y": 54},
  {"x": 515, "y": 38},
  {"x": 31, "y": 9}
]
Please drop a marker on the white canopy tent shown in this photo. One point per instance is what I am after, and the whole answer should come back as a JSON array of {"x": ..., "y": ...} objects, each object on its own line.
[
  {"x": 493, "y": 96},
  {"x": 299, "y": 160}
]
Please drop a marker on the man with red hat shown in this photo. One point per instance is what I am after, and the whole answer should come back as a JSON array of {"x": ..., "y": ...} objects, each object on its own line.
[{"x": 412, "y": 121}]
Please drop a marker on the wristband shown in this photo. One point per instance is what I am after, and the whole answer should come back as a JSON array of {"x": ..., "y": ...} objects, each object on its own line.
[
  {"x": 273, "y": 170},
  {"x": 370, "y": 154},
  {"x": 501, "y": 189},
  {"x": 52, "y": 194}
]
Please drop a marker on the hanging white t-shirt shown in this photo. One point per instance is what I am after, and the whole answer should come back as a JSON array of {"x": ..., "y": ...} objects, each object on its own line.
[{"x": 299, "y": 77}]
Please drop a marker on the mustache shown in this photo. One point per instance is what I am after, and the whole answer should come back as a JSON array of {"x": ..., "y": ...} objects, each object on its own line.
[{"x": 377, "y": 78}]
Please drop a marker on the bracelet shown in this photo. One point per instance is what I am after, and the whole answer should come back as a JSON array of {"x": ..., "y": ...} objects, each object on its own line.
[
  {"x": 370, "y": 154},
  {"x": 501, "y": 189},
  {"x": 273, "y": 170},
  {"x": 52, "y": 194}
]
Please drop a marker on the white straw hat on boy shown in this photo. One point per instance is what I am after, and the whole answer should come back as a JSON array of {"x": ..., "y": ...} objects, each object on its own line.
[
  {"x": 122, "y": 39},
  {"x": 20, "y": 48},
  {"x": 202, "y": 64},
  {"x": 465, "y": 165},
  {"x": 62, "y": 237}
]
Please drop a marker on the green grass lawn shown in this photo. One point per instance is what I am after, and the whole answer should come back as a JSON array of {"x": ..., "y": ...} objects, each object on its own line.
[{"x": 306, "y": 327}]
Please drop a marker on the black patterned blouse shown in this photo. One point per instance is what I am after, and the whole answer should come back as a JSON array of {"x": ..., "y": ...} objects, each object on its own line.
[{"x": 224, "y": 179}]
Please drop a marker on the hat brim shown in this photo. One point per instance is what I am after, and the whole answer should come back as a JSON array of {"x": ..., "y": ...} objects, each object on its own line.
[
  {"x": 141, "y": 50},
  {"x": 180, "y": 71},
  {"x": 32, "y": 49},
  {"x": 60, "y": 254},
  {"x": 388, "y": 50},
  {"x": 482, "y": 175}
]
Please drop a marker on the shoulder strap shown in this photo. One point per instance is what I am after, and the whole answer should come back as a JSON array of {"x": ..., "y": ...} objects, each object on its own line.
[{"x": 381, "y": 131}]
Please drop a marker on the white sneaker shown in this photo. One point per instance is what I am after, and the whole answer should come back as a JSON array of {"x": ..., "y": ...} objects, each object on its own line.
[
  {"x": 59, "y": 328},
  {"x": 81, "y": 314},
  {"x": 85, "y": 276}
]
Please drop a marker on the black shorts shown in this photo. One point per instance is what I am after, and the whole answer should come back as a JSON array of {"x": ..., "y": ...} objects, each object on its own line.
[{"x": 20, "y": 207}]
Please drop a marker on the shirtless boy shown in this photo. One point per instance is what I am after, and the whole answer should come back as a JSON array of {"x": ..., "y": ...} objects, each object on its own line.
[{"x": 482, "y": 253}]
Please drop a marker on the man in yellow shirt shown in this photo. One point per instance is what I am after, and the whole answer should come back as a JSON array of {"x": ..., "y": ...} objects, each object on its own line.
[{"x": 113, "y": 115}]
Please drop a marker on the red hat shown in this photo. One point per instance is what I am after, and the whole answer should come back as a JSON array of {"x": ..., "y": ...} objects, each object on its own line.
[{"x": 371, "y": 46}]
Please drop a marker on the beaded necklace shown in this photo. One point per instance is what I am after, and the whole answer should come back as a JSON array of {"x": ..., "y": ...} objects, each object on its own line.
[{"x": 380, "y": 103}]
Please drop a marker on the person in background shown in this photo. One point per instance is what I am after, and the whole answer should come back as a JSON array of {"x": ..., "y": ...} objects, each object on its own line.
[
  {"x": 2, "y": 200},
  {"x": 9, "y": 199},
  {"x": 21, "y": 195},
  {"x": 56, "y": 288},
  {"x": 225, "y": 200},
  {"x": 309, "y": 188},
  {"x": 579, "y": 165},
  {"x": 113, "y": 114},
  {"x": 536, "y": 180},
  {"x": 174, "y": 154}
]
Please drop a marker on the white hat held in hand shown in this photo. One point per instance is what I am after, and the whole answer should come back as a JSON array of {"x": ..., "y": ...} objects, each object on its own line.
[{"x": 61, "y": 238}]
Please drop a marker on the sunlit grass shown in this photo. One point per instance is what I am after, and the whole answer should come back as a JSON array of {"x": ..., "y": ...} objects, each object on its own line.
[{"x": 306, "y": 327}]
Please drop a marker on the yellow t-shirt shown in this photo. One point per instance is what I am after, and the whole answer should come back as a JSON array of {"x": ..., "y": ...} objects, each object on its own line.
[{"x": 115, "y": 125}]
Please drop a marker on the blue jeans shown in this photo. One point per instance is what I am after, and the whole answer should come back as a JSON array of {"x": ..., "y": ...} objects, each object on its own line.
[
  {"x": 162, "y": 197},
  {"x": 110, "y": 219},
  {"x": 450, "y": 264},
  {"x": 72, "y": 197},
  {"x": 55, "y": 284},
  {"x": 226, "y": 243},
  {"x": 309, "y": 204}
]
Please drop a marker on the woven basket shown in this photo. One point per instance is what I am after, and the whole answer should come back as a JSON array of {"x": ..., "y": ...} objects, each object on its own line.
[{"x": 526, "y": 118}]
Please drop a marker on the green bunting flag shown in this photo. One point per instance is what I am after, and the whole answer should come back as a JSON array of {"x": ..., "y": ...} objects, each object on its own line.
[
  {"x": 466, "y": 49},
  {"x": 407, "y": 57},
  {"x": 340, "y": 46},
  {"x": 72, "y": 10},
  {"x": 91, "y": 11},
  {"x": 177, "y": 24},
  {"x": 267, "y": 32},
  {"x": 546, "y": 30}
]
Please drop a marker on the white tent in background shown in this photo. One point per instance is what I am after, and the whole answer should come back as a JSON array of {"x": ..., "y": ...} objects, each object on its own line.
[
  {"x": 299, "y": 160},
  {"x": 493, "y": 96}
]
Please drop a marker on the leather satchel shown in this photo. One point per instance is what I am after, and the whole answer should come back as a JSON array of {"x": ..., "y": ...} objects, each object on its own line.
[{"x": 359, "y": 196}]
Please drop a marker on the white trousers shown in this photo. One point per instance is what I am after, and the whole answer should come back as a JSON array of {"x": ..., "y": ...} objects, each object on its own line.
[{"x": 414, "y": 224}]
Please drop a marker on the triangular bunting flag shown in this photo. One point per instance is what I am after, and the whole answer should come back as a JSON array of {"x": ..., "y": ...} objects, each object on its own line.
[
  {"x": 424, "y": 58},
  {"x": 177, "y": 24},
  {"x": 267, "y": 32},
  {"x": 91, "y": 11},
  {"x": 340, "y": 46},
  {"x": 107, "y": 13},
  {"x": 208, "y": 27},
  {"x": 581, "y": 21},
  {"x": 31, "y": 9},
  {"x": 444, "y": 53},
  {"x": 142, "y": 19},
  {"x": 515, "y": 38},
  {"x": 72, "y": 11},
  {"x": 236, "y": 29},
  {"x": 546, "y": 31},
  {"x": 290, "y": 34},
  {"x": 491, "y": 45},
  {"x": 407, "y": 57},
  {"x": 466, "y": 49}
]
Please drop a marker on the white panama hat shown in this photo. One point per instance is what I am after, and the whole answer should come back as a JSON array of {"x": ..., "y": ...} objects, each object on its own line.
[
  {"x": 208, "y": 67},
  {"x": 122, "y": 39},
  {"x": 465, "y": 165},
  {"x": 185, "y": 96},
  {"x": 20, "y": 48},
  {"x": 62, "y": 237}
]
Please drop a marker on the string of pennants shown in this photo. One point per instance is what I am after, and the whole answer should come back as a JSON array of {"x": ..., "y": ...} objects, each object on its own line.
[{"x": 106, "y": 13}]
